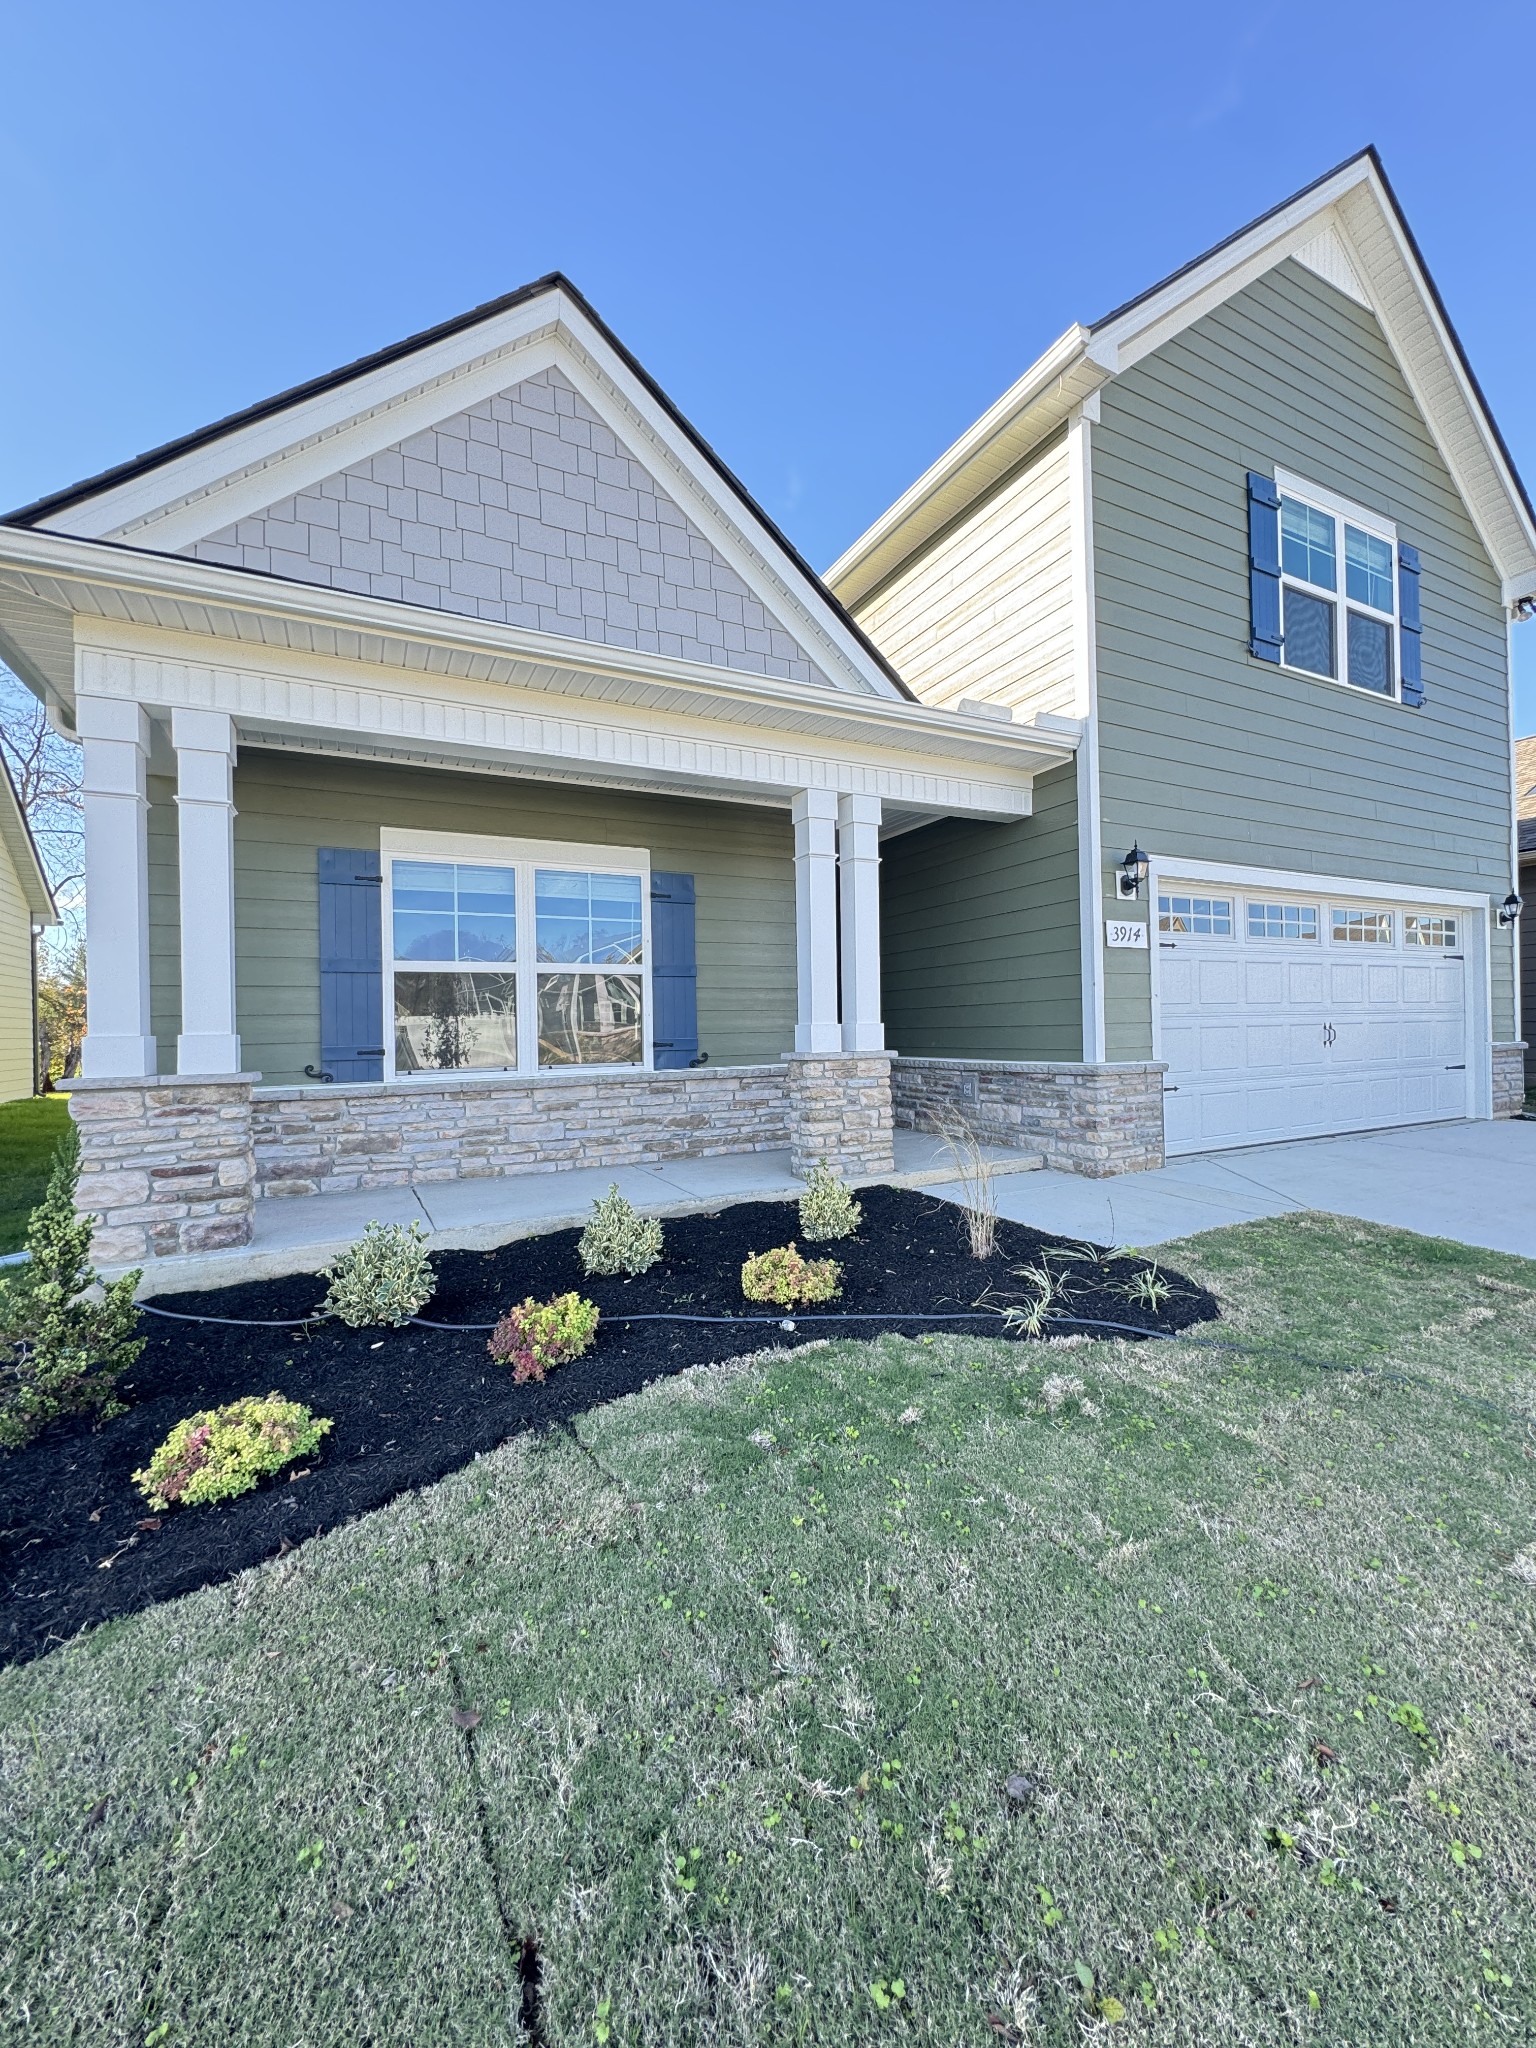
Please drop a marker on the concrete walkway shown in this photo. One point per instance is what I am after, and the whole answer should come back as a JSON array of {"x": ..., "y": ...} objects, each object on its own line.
[
  {"x": 301, "y": 1233},
  {"x": 1472, "y": 1181}
]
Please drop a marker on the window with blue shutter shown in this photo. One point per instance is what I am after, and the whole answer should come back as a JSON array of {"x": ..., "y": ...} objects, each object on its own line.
[
  {"x": 1264, "y": 640},
  {"x": 1409, "y": 626},
  {"x": 351, "y": 965},
  {"x": 674, "y": 971}
]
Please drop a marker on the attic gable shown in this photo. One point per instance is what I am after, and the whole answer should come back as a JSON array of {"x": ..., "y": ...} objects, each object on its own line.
[{"x": 528, "y": 510}]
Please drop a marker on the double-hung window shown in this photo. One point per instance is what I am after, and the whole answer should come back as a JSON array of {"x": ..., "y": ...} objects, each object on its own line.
[
  {"x": 1338, "y": 589},
  {"x": 527, "y": 958}
]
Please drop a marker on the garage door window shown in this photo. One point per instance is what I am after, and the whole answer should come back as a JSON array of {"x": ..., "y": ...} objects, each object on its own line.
[
  {"x": 1421, "y": 930},
  {"x": 1362, "y": 927},
  {"x": 1282, "y": 920},
  {"x": 1198, "y": 916}
]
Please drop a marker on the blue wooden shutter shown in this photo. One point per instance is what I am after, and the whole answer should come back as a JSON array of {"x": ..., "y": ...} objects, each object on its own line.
[
  {"x": 1263, "y": 568},
  {"x": 351, "y": 965},
  {"x": 1410, "y": 629},
  {"x": 674, "y": 972}
]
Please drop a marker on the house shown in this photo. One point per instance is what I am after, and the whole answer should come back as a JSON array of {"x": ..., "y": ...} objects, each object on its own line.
[
  {"x": 1257, "y": 533},
  {"x": 477, "y": 781},
  {"x": 1525, "y": 831},
  {"x": 26, "y": 905}
]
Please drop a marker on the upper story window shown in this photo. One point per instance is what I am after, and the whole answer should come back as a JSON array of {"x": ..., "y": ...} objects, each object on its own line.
[
  {"x": 1333, "y": 592},
  {"x": 1338, "y": 596}
]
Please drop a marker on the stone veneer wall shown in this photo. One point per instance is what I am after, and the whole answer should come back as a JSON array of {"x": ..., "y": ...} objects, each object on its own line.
[
  {"x": 840, "y": 1111},
  {"x": 1096, "y": 1120},
  {"x": 165, "y": 1165},
  {"x": 1509, "y": 1079},
  {"x": 381, "y": 1134}
]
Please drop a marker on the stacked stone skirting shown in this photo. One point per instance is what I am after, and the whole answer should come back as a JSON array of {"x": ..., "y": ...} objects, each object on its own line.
[
  {"x": 166, "y": 1165},
  {"x": 840, "y": 1111},
  {"x": 1509, "y": 1079},
  {"x": 1096, "y": 1120},
  {"x": 328, "y": 1140}
]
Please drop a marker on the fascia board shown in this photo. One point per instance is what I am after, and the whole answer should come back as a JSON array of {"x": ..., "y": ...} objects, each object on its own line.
[
  {"x": 1030, "y": 409},
  {"x": 211, "y": 602}
]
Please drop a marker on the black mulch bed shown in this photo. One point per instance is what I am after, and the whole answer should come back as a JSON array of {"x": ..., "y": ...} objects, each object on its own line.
[{"x": 413, "y": 1404}]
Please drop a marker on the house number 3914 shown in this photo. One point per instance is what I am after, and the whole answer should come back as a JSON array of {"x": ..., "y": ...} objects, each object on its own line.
[{"x": 1126, "y": 932}]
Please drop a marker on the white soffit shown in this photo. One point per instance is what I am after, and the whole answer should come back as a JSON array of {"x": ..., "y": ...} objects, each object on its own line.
[{"x": 1326, "y": 254}]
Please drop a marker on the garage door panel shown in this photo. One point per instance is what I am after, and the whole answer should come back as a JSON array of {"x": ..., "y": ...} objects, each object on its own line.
[{"x": 1267, "y": 1040}]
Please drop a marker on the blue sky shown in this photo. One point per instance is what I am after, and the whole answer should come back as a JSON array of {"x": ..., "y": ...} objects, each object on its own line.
[{"x": 834, "y": 233}]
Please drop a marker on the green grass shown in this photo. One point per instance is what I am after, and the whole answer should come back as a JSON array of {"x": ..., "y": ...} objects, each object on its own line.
[
  {"x": 755, "y": 1653},
  {"x": 29, "y": 1131}
]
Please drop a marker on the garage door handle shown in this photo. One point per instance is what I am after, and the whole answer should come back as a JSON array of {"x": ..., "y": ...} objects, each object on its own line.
[{"x": 1461, "y": 1069}]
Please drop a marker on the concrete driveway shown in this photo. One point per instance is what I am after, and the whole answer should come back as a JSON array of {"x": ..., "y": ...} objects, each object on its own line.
[{"x": 1472, "y": 1181}]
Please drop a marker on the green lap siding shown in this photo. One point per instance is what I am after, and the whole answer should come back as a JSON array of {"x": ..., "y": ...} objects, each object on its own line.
[
  {"x": 980, "y": 938},
  {"x": 1210, "y": 755},
  {"x": 289, "y": 805}
]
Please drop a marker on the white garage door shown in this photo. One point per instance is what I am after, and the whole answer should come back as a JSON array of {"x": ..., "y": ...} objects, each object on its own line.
[{"x": 1292, "y": 1016}]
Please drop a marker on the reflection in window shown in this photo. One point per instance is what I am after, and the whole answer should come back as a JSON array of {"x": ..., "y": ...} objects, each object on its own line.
[
  {"x": 1200, "y": 916},
  {"x": 448, "y": 1023},
  {"x": 1370, "y": 654},
  {"x": 1282, "y": 921},
  {"x": 1422, "y": 930},
  {"x": 587, "y": 918},
  {"x": 590, "y": 1020},
  {"x": 443, "y": 911},
  {"x": 1362, "y": 927}
]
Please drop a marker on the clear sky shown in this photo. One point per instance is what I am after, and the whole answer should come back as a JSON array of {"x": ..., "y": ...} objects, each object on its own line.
[{"x": 833, "y": 232}]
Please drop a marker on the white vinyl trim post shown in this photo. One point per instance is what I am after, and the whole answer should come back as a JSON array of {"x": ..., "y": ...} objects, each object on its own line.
[
  {"x": 114, "y": 738},
  {"x": 205, "y": 822},
  {"x": 817, "y": 1029},
  {"x": 1090, "y": 853},
  {"x": 858, "y": 881}
]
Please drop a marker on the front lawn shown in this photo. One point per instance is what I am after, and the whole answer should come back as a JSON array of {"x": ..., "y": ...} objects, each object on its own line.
[
  {"x": 30, "y": 1131},
  {"x": 872, "y": 1693}
]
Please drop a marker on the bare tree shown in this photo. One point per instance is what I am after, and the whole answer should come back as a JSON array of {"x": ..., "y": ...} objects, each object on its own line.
[{"x": 45, "y": 767}]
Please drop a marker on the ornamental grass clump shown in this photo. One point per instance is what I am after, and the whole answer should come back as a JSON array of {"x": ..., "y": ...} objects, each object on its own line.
[
  {"x": 617, "y": 1238},
  {"x": 220, "y": 1452},
  {"x": 827, "y": 1208},
  {"x": 63, "y": 1348},
  {"x": 386, "y": 1277},
  {"x": 785, "y": 1277},
  {"x": 536, "y": 1336}
]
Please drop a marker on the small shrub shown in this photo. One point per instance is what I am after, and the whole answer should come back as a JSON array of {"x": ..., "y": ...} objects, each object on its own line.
[
  {"x": 827, "y": 1208},
  {"x": 224, "y": 1451},
  {"x": 538, "y": 1335},
  {"x": 1147, "y": 1287},
  {"x": 783, "y": 1276},
  {"x": 616, "y": 1239},
  {"x": 62, "y": 1348},
  {"x": 386, "y": 1277},
  {"x": 976, "y": 1173}
]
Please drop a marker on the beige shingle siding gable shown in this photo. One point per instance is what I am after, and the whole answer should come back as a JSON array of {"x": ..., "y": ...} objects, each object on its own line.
[
  {"x": 15, "y": 977},
  {"x": 1525, "y": 782},
  {"x": 526, "y": 510}
]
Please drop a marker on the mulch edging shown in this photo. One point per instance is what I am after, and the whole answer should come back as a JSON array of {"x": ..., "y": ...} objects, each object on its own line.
[{"x": 412, "y": 1405}]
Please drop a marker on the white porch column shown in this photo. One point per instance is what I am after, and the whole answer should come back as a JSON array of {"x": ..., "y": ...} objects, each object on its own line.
[
  {"x": 815, "y": 817},
  {"x": 858, "y": 879},
  {"x": 114, "y": 738},
  {"x": 205, "y": 812}
]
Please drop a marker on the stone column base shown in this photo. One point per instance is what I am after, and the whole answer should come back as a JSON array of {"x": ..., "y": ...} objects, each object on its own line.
[
  {"x": 840, "y": 1111},
  {"x": 1509, "y": 1079},
  {"x": 166, "y": 1165}
]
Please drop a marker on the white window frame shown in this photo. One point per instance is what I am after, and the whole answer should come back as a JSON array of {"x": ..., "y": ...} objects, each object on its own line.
[
  {"x": 1342, "y": 511},
  {"x": 474, "y": 849}
]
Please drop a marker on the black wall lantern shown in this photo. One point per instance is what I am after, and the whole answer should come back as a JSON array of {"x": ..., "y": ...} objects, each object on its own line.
[
  {"x": 1510, "y": 908},
  {"x": 1133, "y": 872}
]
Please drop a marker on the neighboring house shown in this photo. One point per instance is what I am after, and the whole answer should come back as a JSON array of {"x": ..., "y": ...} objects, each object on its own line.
[
  {"x": 1525, "y": 814},
  {"x": 1258, "y": 533},
  {"x": 26, "y": 904},
  {"x": 476, "y": 780}
]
